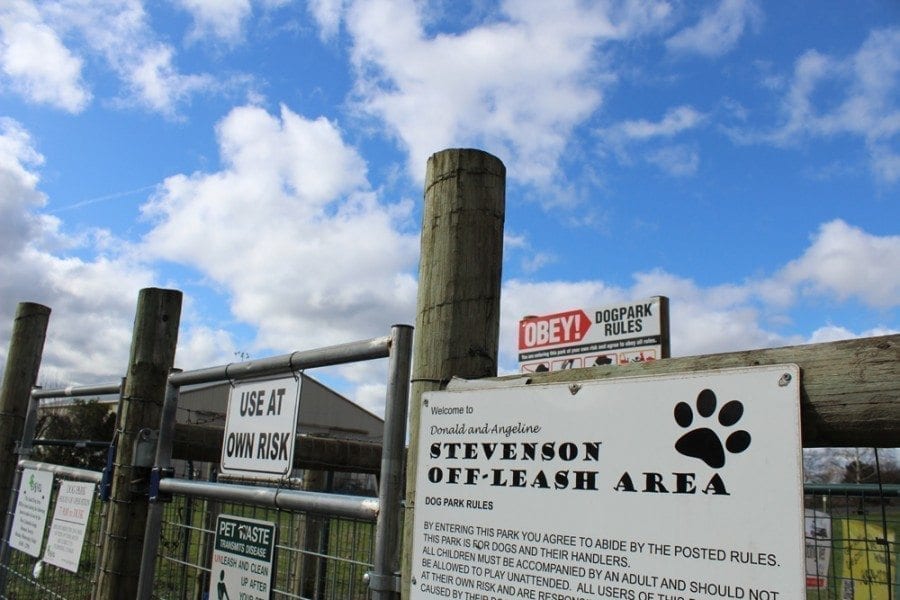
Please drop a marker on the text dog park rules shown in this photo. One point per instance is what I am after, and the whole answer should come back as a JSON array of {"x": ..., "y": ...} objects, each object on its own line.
[
  {"x": 657, "y": 488},
  {"x": 260, "y": 428}
]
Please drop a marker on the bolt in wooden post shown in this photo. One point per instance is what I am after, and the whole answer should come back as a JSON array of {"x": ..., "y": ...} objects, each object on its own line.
[
  {"x": 458, "y": 305},
  {"x": 152, "y": 356},
  {"x": 22, "y": 364}
]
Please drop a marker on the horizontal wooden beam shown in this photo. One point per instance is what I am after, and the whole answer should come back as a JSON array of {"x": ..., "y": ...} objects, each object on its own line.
[
  {"x": 849, "y": 397},
  {"x": 850, "y": 390},
  {"x": 201, "y": 443}
]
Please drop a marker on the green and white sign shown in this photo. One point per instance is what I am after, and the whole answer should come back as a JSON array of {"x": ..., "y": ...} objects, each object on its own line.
[
  {"x": 243, "y": 558},
  {"x": 30, "y": 518}
]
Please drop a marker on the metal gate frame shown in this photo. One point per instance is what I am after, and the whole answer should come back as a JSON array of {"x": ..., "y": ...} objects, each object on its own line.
[
  {"x": 25, "y": 448},
  {"x": 384, "y": 580}
]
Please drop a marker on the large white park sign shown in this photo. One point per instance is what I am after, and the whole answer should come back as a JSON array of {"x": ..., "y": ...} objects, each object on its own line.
[{"x": 656, "y": 488}]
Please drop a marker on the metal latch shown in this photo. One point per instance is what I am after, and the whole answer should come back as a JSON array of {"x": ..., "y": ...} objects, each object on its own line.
[
  {"x": 144, "y": 452},
  {"x": 382, "y": 583}
]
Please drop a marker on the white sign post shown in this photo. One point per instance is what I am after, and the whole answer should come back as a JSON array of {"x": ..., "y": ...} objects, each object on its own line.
[
  {"x": 70, "y": 517},
  {"x": 260, "y": 428},
  {"x": 656, "y": 488},
  {"x": 615, "y": 334},
  {"x": 27, "y": 532},
  {"x": 242, "y": 559}
]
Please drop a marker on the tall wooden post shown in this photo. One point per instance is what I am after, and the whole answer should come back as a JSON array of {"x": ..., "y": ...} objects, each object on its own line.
[
  {"x": 22, "y": 364},
  {"x": 152, "y": 356},
  {"x": 458, "y": 305}
]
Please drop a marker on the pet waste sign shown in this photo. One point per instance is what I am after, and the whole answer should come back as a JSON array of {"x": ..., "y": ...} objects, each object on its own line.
[
  {"x": 243, "y": 558},
  {"x": 617, "y": 334},
  {"x": 675, "y": 487},
  {"x": 260, "y": 428}
]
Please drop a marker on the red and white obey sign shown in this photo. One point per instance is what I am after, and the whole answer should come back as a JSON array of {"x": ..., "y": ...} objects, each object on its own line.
[
  {"x": 623, "y": 333},
  {"x": 568, "y": 327}
]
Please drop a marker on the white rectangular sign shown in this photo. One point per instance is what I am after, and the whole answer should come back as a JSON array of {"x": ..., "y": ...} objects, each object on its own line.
[
  {"x": 70, "y": 517},
  {"x": 615, "y": 334},
  {"x": 818, "y": 548},
  {"x": 30, "y": 517},
  {"x": 242, "y": 559},
  {"x": 260, "y": 427},
  {"x": 656, "y": 488}
]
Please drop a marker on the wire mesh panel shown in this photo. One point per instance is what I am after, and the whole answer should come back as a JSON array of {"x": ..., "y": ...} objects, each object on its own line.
[
  {"x": 317, "y": 557},
  {"x": 29, "y": 577},
  {"x": 852, "y": 541}
]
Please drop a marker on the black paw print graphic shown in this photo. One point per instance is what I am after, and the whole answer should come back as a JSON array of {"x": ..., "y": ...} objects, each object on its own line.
[{"x": 703, "y": 442}]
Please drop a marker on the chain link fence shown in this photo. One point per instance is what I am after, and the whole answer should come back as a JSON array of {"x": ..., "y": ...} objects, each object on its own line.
[
  {"x": 852, "y": 533},
  {"x": 852, "y": 541}
]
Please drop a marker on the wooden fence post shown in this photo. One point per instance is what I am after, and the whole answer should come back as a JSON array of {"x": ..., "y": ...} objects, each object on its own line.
[
  {"x": 152, "y": 356},
  {"x": 26, "y": 345},
  {"x": 458, "y": 305}
]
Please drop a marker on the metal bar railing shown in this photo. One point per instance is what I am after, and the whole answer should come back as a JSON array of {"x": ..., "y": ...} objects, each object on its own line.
[
  {"x": 398, "y": 347},
  {"x": 338, "y": 505},
  {"x": 72, "y": 473},
  {"x": 26, "y": 448}
]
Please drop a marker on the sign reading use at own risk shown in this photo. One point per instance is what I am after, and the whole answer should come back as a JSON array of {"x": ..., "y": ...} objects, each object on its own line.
[
  {"x": 242, "y": 559},
  {"x": 674, "y": 487},
  {"x": 260, "y": 428}
]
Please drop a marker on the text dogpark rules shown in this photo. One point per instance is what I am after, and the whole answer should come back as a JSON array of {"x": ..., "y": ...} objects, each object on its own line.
[{"x": 656, "y": 488}]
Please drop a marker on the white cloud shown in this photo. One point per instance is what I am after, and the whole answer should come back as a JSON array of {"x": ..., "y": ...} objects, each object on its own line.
[
  {"x": 718, "y": 30},
  {"x": 679, "y": 160},
  {"x": 834, "y": 333},
  {"x": 846, "y": 262},
  {"x": 18, "y": 187},
  {"x": 119, "y": 33},
  {"x": 37, "y": 64},
  {"x": 675, "y": 121},
  {"x": 516, "y": 86},
  {"x": 306, "y": 253},
  {"x": 857, "y": 96},
  {"x": 201, "y": 346},
  {"x": 841, "y": 263},
  {"x": 92, "y": 302},
  {"x": 223, "y": 19},
  {"x": 155, "y": 81},
  {"x": 642, "y": 136},
  {"x": 328, "y": 15}
]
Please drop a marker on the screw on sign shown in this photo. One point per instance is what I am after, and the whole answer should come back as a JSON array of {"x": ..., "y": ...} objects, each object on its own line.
[{"x": 548, "y": 330}]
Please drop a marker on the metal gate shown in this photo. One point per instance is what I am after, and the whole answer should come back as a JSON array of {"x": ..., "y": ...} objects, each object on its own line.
[{"x": 332, "y": 546}]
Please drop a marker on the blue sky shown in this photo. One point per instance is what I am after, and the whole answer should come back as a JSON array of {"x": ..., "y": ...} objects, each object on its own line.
[{"x": 267, "y": 158}]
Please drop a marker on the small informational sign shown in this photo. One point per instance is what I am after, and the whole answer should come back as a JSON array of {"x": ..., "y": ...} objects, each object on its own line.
[
  {"x": 865, "y": 570},
  {"x": 818, "y": 548},
  {"x": 260, "y": 428},
  {"x": 30, "y": 517},
  {"x": 242, "y": 559},
  {"x": 615, "y": 334},
  {"x": 70, "y": 518},
  {"x": 654, "y": 488}
]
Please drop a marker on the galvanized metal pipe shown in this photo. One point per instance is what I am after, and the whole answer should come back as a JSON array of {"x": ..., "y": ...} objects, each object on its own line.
[
  {"x": 163, "y": 460},
  {"x": 72, "y": 473},
  {"x": 353, "y": 507},
  {"x": 75, "y": 392},
  {"x": 384, "y": 580},
  {"x": 331, "y": 504},
  {"x": 287, "y": 363}
]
